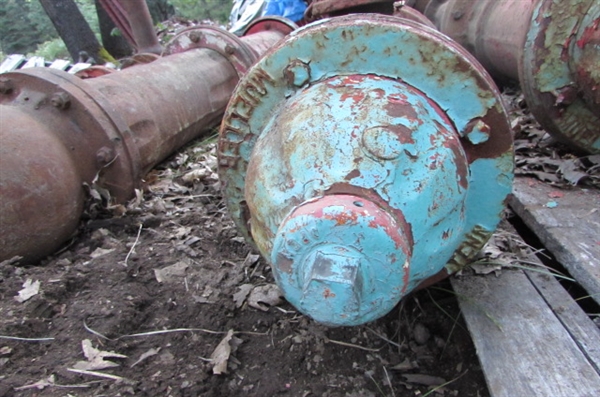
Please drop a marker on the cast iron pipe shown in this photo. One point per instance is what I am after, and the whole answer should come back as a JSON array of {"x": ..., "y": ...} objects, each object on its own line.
[
  {"x": 364, "y": 156},
  {"x": 551, "y": 46},
  {"x": 59, "y": 132}
]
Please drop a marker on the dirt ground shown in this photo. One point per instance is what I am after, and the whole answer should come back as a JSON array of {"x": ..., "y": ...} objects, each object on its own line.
[{"x": 163, "y": 298}]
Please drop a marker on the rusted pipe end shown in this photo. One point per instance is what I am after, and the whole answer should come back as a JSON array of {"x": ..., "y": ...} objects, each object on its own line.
[
  {"x": 559, "y": 71},
  {"x": 271, "y": 24},
  {"x": 57, "y": 134},
  {"x": 585, "y": 62},
  {"x": 40, "y": 188}
]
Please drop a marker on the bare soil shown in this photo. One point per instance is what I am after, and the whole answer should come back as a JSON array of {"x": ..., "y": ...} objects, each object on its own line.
[{"x": 109, "y": 289}]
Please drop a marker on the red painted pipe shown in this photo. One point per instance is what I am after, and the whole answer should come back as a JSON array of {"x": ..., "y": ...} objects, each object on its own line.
[
  {"x": 133, "y": 18},
  {"x": 60, "y": 132}
]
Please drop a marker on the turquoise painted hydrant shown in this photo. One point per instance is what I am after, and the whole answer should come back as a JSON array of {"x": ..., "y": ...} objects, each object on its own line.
[{"x": 363, "y": 157}]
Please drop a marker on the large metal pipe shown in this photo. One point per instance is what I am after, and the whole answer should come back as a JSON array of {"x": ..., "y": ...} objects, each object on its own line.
[
  {"x": 59, "y": 132},
  {"x": 550, "y": 46},
  {"x": 364, "y": 156}
]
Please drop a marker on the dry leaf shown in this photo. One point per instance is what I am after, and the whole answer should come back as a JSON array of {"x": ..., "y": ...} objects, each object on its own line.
[
  {"x": 100, "y": 252},
  {"x": 149, "y": 353},
  {"x": 220, "y": 355},
  {"x": 240, "y": 297},
  {"x": 96, "y": 358},
  {"x": 264, "y": 296},
  {"x": 171, "y": 273},
  {"x": 30, "y": 289},
  {"x": 487, "y": 268},
  {"x": 40, "y": 385}
]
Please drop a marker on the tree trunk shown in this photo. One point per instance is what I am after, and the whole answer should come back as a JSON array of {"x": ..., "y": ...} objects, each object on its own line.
[{"x": 74, "y": 30}]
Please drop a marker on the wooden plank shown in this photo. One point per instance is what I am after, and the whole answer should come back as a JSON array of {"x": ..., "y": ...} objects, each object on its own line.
[
  {"x": 571, "y": 230},
  {"x": 583, "y": 330},
  {"x": 522, "y": 346}
]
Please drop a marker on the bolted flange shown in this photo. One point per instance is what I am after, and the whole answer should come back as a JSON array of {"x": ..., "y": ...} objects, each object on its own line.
[{"x": 385, "y": 164}]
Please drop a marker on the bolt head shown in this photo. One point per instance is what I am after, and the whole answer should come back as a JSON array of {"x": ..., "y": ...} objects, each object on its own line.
[
  {"x": 60, "y": 100},
  {"x": 195, "y": 37},
  {"x": 333, "y": 283},
  {"x": 297, "y": 73},
  {"x": 105, "y": 155},
  {"x": 229, "y": 49},
  {"x": 477, "y": 131},
  {"x": 6, "y": 85}
]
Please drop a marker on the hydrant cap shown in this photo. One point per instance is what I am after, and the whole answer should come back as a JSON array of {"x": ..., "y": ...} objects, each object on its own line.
[{"x": 342, "y": 259}]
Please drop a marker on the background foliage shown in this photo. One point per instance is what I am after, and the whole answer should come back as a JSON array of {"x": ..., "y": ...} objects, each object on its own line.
[{"x": 26, "y": 29}]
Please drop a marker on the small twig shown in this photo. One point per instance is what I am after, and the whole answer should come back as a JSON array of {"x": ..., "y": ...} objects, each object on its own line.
[
  {"x": 389, "y": 381},
  {"x": 26, "y": 339},
  {"x": 95, "y": 373},
  {"x": 376, "y": 384},
  {"x": 337, "y": 342},
  {"x": 384, "y": 338},
  {"x": 134, "y": 244},
  {"x": 445, "y": 384}
]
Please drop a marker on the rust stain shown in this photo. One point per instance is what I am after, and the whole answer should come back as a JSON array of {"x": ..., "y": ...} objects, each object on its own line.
[
  {"x": 588, "y": 34},
  {"x": 328, "y": 294}
]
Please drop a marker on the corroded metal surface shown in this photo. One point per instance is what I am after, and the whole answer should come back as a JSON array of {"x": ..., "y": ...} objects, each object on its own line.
[
  {"x": 558, "y": 64},
  {"x": 359, "y": 130},
  {"x": 107, "y": 131},
  {"x": 550, "y": 46},
  {"x": 320, "y": 8}
]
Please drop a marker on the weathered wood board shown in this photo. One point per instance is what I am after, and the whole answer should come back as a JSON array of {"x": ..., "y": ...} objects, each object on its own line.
[
  {"x": 523, "y": 346},
  {"x": 570, "y": 230}
]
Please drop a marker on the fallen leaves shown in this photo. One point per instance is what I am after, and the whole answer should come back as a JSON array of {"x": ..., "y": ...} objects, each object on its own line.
[
  {"x": 30, "y": 289},
  {"x": 221, "y": 355},
  {"x": 261, "y": 297},
  {"x": 96, "y": 358}
]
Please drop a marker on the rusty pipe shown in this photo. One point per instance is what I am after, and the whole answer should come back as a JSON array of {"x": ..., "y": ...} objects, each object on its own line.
[
  {"x": 549, "y": 46},
  {"x": 141, "y": 26},
  {"x": 59, "y": 132}
]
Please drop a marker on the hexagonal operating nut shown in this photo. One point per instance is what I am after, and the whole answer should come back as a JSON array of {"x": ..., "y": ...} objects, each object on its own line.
[
  {"x": 60, "y": 100},
  {"x": 477, "y": 131},
  {"x": 334, "y": 279},
  {"x": 297, "y": 73}
]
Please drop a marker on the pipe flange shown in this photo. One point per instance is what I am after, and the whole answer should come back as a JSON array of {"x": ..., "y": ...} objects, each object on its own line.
[
  {"x": 389, "y": 47},
  {"x": 225, "y": 43},
  {"x": 44, "y": 164},
  {"x": 548, "y": 81},
  {"x": 269, "y": 24},
  {"x": 50, "y": 90}
]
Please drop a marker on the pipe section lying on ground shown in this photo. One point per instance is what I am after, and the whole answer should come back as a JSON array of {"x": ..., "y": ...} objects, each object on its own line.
[
  {"x": 551, "y": 46},
  {"x": 59, "y": 132},
  {"x": 364, "y": 156}
]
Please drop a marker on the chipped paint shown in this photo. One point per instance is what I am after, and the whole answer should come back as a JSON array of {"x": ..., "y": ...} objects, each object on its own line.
[{"x": 368, "y": 165}]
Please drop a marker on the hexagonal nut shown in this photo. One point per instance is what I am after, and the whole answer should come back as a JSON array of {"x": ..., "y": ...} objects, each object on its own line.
[
  {"x": 60, "y": 100},
  {"x": 195, "y": 37},
  {"x": 6, "y": 85},
  {"x": 104, "y": 155},
  {"x": 477, "y": 131},
  {"x": 328, "y": 275},
  {"x": 297, "y": 73}
]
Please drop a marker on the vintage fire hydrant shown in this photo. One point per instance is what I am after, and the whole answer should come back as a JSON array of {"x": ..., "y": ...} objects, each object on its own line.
[{"x": 364, "y": 156}]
